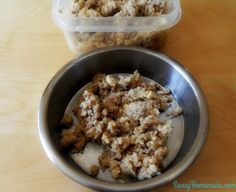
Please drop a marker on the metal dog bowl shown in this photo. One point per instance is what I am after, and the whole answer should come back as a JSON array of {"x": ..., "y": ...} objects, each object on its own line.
[{"x": 156, "y": 66}]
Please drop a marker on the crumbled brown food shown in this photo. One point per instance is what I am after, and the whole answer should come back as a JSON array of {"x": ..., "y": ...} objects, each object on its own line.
[
  {"x": 73, "y": 137},
  {"x": 86, "y": 41},
  {"x": 67, "y": 120},
  {"x": 109, "y": 8},
  {"x": 104, "y": 160},
  {"x": 176, "y": 112},
  {"x": 122, "y": 113},
  {"x": 79, "y": 145},
  {"x": 115, "y": 169},
  {"x": 94, "y": 170},
  {"x": 68, "y": 138}
]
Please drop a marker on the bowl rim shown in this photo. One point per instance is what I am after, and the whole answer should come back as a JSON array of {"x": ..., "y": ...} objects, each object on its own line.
[{"x": 94, "y": 183}]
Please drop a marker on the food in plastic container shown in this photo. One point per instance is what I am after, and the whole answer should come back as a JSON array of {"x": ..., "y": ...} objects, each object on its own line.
[{"x": 91, "y": 24}]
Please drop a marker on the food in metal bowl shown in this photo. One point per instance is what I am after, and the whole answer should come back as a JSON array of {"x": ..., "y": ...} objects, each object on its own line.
[{"x": 122, "y": 114}]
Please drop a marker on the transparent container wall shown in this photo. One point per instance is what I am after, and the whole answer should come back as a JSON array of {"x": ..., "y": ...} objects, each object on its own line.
[
  {"x": 82, "y": 42},
  {"x": 87, "y": 33}
]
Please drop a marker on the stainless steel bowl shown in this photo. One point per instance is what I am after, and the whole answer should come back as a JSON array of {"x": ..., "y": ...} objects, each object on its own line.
[{"x": 156, "y": 66}]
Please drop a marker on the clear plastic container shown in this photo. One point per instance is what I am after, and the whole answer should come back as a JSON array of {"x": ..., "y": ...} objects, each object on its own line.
[{"x": 87, "y": 33}]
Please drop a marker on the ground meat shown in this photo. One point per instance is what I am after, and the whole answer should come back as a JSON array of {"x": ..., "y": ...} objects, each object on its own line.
[
  {"x": 67, "y": 139},
  {"x": 67, "y": 120},
  {"x": 122, "y": 113},
  {"x": 80, "y": 144},
  {"x": 104, "y": 160},
  {"x": 86, "y": 41},
  {"x": 108, "y": 8},
  {"x": 94, "y": 170},
  {"x": 176, "y": 112},
  {"x": 115, "y": 169}
]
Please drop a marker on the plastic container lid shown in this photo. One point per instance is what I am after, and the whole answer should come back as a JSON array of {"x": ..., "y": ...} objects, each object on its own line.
[{"x": 61, "y": 13}]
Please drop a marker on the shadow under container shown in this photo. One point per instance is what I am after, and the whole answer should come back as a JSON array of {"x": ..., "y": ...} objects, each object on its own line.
[{"x": 84, "y": 34}]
